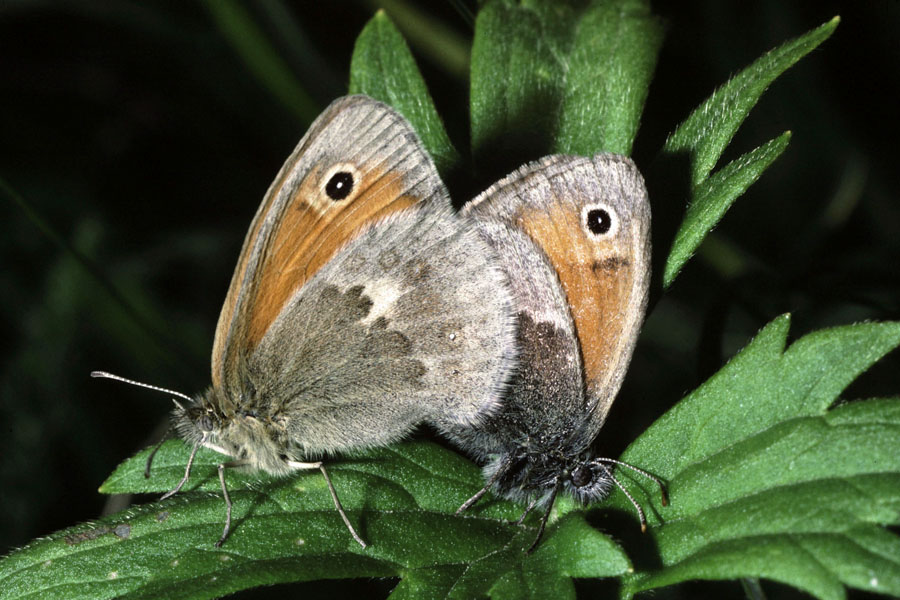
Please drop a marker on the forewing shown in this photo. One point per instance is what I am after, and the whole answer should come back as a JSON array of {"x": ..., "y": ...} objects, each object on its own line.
[
  {"x": 590, "y": 218},
  {"x": 312, "y": 209}
]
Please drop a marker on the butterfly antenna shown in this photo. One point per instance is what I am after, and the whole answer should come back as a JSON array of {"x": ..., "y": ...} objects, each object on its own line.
[
  {"x": 105, "y": 375},
  {"x": 637, "y": 507},
  {"x": 662, "y": 487}
]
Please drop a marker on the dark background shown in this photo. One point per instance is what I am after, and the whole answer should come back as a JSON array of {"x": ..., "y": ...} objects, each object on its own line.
[{"x": 136, "y": 135}]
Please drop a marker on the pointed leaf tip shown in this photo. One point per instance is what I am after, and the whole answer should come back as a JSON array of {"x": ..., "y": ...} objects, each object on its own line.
[
  {"x": 712, "y": 199},
  {"x": 383, "y": 67}
]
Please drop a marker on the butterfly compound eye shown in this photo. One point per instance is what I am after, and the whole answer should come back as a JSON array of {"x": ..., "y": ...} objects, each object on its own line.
[
  {"x": 339, "y": 185},
  {"x": 205, "y": 423},
  {"x": 582, "y": 476}
]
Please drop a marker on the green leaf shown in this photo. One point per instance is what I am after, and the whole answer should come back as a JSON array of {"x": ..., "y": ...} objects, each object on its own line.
[
  {"x": 518, "y": 76},
  {"x": 437, "y": 41},
  {"x": 714, "y": 196},
  {"x": 383, "y": 68},
  {"x": 758, "y": 468},
  {"x": 706, "y": 133},
  {"x": 708, "y": 130},
  {"x": 608, "y": 76},
  {"x": 560, "y": 76},
  {"x": 402, "y": 499},
  {"x": 765, "y": 481}
]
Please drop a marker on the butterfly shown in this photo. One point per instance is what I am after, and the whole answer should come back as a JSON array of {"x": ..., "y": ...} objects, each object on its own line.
[
  {"x": 360, "y": 307},
  {"x": 573, "y": 236}
]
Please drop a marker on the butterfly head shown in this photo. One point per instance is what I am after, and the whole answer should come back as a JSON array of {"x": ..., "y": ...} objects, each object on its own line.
[
  {"x": 253, "y": 440},
  {"x": 587, "y": 480},
  {"x": 199, "y": 421},
  {"x": 524, "y": 476}
]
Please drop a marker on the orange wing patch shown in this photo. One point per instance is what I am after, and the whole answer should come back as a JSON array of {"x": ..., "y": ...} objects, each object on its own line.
[
  {"x": 309, "y": 234},
  {"x": 597, "y": 278},
  {"x": 226, "y": 315}
]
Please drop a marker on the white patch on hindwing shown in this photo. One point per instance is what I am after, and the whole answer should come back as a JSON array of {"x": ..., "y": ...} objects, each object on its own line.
[{"x": 383, "y": 292}]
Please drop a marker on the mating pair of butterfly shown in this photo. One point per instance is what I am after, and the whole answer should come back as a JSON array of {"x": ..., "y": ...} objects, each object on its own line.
[{"x": 362, "y": 306}]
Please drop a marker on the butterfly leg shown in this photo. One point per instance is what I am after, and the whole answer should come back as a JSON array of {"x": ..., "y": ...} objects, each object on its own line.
[
  {"x": 500, "y": 472},
  {"x": 227, "y": 500},
  {"x": 337, "y": 504},
  {"x": 546, "y": 516},
  {"x": 187, "y": 471},
  {"x": 153, "y": 454},
  {"x": 528, "y": 510}
]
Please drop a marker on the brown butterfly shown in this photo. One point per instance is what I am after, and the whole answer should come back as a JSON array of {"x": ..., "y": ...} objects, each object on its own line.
[
  {"x": 573, "y": 235},
  {"x": 360, "y": 307}
]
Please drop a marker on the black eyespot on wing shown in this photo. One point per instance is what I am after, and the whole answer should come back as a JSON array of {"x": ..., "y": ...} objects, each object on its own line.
[
  {"x": 598, "y": 221},
  {"x": 340, "y": 185}
]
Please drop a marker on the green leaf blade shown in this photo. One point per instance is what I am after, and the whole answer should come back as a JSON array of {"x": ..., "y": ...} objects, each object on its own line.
[
  {"x": 709, "y": 129},
  {"x": 383, "y": 68},
  {"x": 713, "y": 197},
  {"x": 261, "y": 58},
  {"x": 612, "y": 61},
  {"x": 560, "y": 77},
  {"x": 517, "y": 76},
  {"x": 761, "y": 386},
  {"x": 821, "y": 364},
  {"x": 810, "y": 478},
  {"x": 283, "y": 529},
  {"x": 428, "y": 582},
  {"x": 758, "y": 465},
  {"x": 780, "y": 559},
  {"x": 578, "y": 550}
]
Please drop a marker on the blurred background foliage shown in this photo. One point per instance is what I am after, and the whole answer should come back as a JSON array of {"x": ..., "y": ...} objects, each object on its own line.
[{"x": 139, "y": 136}]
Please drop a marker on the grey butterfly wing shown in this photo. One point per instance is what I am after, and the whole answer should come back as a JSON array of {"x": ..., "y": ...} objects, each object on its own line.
[
  {"x": 410, "y": 322},
  {"x": 576, "y": 245},
  {"x": 361, "y": 304}
]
